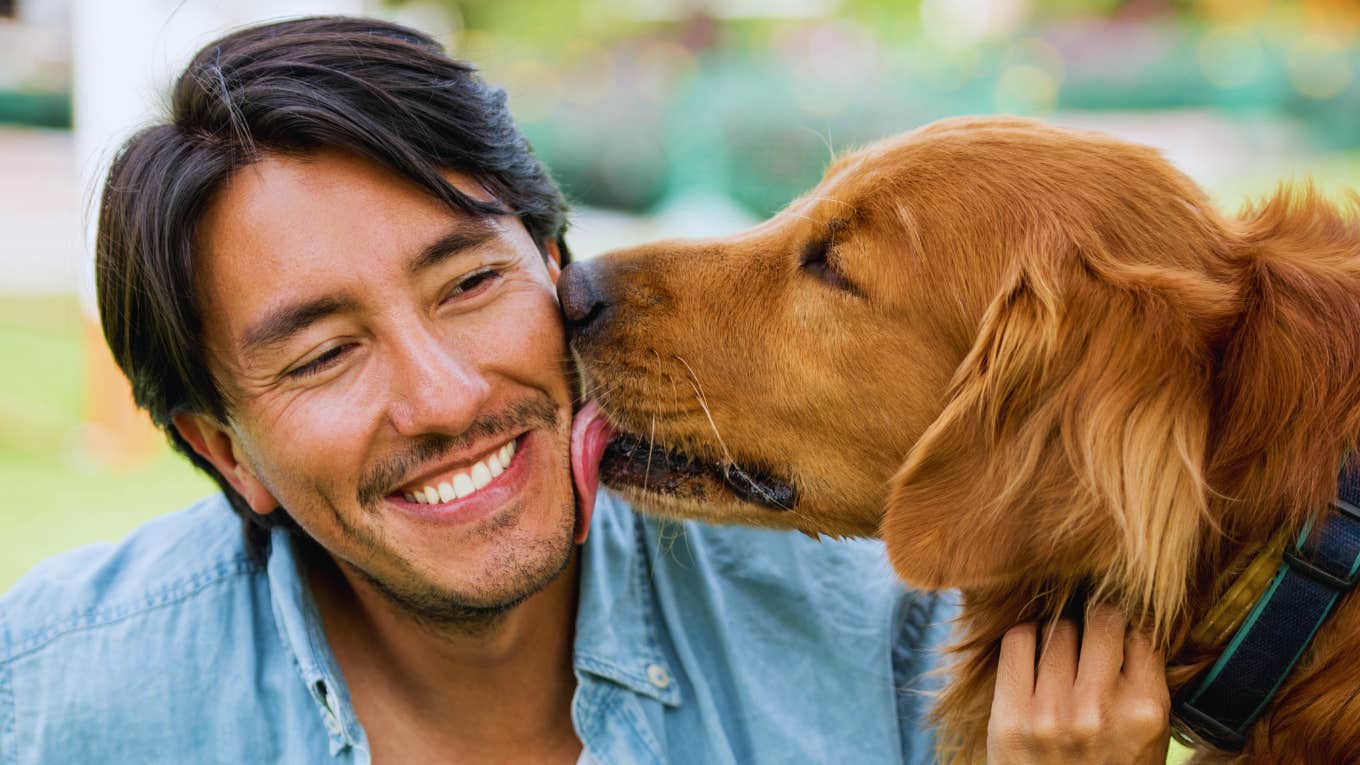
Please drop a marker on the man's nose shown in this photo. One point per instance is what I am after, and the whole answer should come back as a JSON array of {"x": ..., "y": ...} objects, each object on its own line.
[
  {"x": 583, "y": 301},
  {"x": 438, "y": 387}
]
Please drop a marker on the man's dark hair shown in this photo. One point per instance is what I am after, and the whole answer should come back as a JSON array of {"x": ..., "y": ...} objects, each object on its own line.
[{"x": 375, "y": 89}]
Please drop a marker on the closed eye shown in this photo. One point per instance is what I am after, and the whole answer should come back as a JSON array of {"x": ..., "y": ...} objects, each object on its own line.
[
  {"x": 819, "y": 262},
  {"x": 473, "y": 282},
  {"x": 320, "y": 363}
]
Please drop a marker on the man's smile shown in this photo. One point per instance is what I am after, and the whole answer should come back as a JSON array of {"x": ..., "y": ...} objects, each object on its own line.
[
  {"x": 450, "y": 483},
  {"x": 470, "y": 490}
]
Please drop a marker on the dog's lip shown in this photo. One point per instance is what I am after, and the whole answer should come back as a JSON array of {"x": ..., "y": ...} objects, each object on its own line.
[{"x": 631, "y": 460}]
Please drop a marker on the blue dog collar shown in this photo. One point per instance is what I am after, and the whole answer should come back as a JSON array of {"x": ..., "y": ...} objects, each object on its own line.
[{"x": 1318, "y": 569}]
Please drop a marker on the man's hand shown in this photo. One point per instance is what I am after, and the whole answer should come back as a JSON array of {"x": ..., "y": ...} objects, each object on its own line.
[{"x": 1103, "y": 701}]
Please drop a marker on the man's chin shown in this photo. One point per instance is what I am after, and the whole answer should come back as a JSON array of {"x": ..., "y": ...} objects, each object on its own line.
[{"x": 515, "y": 573}]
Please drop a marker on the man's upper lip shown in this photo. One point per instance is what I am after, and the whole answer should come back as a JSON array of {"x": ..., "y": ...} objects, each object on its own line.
[{"x": 461, "y": 460}]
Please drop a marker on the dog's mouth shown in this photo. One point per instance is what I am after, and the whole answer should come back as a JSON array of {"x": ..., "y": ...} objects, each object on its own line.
[
  {"x": 600, "y": 452},
  {"x": 638, "y": 463}
]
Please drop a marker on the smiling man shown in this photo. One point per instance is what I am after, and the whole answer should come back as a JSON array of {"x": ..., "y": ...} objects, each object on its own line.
[{"x": 330, "y": 279}]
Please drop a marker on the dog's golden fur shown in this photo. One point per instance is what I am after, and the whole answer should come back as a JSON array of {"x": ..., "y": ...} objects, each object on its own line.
[{"x": 1035, "y": 361}]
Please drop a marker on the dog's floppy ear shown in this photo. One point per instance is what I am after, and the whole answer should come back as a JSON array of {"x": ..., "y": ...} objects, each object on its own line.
[{"x": 1073, "y": 434}]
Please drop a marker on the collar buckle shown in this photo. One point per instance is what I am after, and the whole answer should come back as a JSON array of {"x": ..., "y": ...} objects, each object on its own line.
[
  {"x": 1345, "y": 508},
  {"x": 1293, "y": 556},
  {"x": 1193, "y": 728}
]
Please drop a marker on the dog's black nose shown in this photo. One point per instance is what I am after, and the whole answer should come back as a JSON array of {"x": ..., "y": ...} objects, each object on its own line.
[{"x": 581, "y": 298}]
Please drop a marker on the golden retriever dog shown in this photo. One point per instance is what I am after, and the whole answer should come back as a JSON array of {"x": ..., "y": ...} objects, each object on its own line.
[{"x": 1036, "y": 362}]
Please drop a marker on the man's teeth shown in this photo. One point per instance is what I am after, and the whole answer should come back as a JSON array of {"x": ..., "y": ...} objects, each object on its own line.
[{"x": 465, "y": 482}]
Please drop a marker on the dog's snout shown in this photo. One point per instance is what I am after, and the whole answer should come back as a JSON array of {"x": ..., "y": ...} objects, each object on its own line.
[{"x": 580, "y": 295}]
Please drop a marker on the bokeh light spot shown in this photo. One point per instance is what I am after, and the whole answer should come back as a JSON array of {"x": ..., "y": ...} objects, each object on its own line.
[
  {"x": 1318, "y": 67},
  {"x": 1026, "y": 89},
  {"x": 1231, "y": 57}
]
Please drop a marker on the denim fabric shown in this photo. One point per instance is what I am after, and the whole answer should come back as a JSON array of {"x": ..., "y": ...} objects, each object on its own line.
[{"x": 694, "y": 644}]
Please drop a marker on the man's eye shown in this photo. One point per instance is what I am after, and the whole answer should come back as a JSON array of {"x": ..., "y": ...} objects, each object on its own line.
[
  {"x": 474, "y": 282},
  {"x": 320, "y": 362}
]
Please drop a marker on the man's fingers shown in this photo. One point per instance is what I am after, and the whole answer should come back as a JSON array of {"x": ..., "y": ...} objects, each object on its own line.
[
  {"x": 1015, "y": 671},
  {"x": 1143, "y": 663},
  {"x": 1102, "y": 648},
  {"x": 1008, "y": 727},
  {"x": 1063, "y": 711},
  {"x": 1057, "y": 660},
  {"x": 1144, "y": 705},
  {"x": 1051, "y": 707}
]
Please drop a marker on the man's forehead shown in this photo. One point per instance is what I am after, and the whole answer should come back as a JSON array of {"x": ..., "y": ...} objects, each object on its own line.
[{"x": 288, "y": 207}]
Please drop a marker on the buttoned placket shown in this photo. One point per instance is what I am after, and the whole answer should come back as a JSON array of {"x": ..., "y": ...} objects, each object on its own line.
[
  {"x": 303, "y": 636},
  {"x": 620, "y": 666}
]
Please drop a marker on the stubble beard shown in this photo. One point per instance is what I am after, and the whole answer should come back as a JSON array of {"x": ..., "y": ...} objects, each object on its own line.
[
  {"x": 529, "y": 570},
  {"x": 519, "y": 572}
]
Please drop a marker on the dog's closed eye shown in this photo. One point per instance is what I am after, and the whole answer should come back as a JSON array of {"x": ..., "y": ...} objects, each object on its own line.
[{"x": 819, "y": 262}]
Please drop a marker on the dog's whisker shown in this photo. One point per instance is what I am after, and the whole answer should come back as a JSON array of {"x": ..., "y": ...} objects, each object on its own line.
[
  {"x": 675, "y": 392},
  {"x": 703, "y": 404},
  {"x": 833, "y": 200},
  {"x": 826, "y": 141},
  {"x": 799, "y": 217},
  {"x": 651, "y": 446},
  {"x": 677, "y": 530},
  {"x": 727, "y": 453}
]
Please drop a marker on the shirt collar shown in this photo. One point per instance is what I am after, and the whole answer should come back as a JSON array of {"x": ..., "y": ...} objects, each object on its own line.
[
  {"x": 617, "y": 624},
  {"x": 302, "y": 634}
]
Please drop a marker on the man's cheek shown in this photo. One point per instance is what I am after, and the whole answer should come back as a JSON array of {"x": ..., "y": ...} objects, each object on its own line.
[{"x": 529, "y": 335}]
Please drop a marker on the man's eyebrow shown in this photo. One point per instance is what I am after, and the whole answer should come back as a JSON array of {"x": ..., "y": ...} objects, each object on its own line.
[
  {"x": 282, "y": 323},
  {"x": 470, "y": 233}
]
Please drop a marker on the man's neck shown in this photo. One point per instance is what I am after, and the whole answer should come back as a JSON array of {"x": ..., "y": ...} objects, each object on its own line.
[{"x": 484, "y": 695}]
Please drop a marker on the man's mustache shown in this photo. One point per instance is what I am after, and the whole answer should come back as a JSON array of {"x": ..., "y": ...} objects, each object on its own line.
[{"x": 534, "y": 412}]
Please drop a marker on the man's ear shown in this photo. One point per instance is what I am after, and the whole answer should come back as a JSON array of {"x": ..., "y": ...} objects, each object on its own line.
[
  {"x": 214, "y": 443},
  {"x": 554, "y": 260}
]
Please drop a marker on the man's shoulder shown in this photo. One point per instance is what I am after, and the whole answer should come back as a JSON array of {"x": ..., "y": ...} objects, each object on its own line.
[
  {"x": 156, "y": 648},
  {"x": 163, "y": 561}
]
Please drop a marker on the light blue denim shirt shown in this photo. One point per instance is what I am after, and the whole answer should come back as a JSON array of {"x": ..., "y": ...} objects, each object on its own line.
[{"x": 694, "y": 644}]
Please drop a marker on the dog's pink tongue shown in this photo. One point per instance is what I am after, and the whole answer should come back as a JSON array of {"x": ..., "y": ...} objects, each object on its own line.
[{"x": 589, "y": 435}]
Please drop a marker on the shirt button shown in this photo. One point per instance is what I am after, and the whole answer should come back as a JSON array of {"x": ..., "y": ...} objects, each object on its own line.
[
  {"x": 332, "y": 724},
  {"x": 658, "y": 675}
]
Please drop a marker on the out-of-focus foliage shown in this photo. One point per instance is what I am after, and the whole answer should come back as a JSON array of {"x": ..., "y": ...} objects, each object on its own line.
[
  {"x": 633, "y": 103},
  {"x": 40, "y": 108}
]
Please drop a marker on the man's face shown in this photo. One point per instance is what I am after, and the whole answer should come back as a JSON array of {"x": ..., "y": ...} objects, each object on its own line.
[{"x": 375, "y": 347}]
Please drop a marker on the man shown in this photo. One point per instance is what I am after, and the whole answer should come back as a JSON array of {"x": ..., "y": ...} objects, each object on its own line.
[{"x": 330, "y": 279}]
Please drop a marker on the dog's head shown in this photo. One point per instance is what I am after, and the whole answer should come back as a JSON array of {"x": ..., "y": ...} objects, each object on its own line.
[{"x": 999, "y": 344}]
